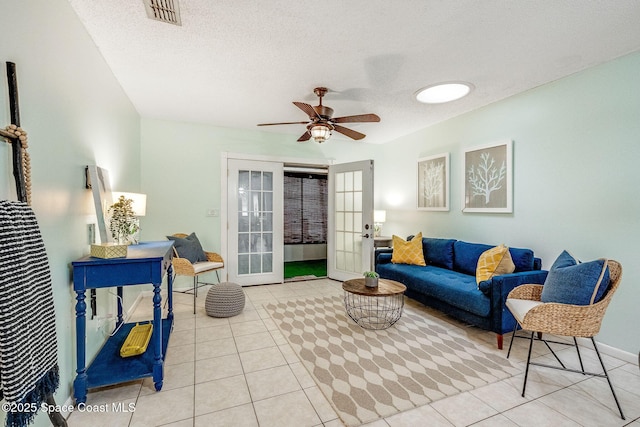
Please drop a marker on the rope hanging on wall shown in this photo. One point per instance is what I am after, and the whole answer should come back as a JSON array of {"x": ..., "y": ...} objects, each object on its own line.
[{"x": 16, "y": 132}]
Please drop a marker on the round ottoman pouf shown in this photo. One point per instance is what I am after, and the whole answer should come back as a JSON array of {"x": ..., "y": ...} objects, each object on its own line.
[{"x": 224, "y": 299}]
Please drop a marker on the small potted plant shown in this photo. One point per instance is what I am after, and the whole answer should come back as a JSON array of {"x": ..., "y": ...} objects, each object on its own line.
[
  {"x": 371, "y": 279},
  {"x": 123, "y": 223}
]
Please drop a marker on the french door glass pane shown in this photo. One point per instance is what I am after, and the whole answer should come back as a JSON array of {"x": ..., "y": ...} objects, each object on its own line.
[
  {"x": 348, "y": 216},
  {"x": 255, "y": 222}
]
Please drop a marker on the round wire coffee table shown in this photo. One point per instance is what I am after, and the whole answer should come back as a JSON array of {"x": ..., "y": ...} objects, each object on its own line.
[{"x": 374, "y": 308}]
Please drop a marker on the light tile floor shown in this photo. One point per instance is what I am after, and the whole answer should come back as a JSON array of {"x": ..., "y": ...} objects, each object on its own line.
[{"x": 241, "y": 372}]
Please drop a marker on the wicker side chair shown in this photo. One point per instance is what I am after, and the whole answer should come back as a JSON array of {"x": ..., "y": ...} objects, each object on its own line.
[
  {"x": 184, "y": 267},
  {"x": 561, "y": 320}
]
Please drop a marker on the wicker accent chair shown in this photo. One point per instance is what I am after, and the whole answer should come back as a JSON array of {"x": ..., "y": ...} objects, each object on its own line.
[
  {"x": 184, "y": 267},
  {"x": 561, "y": 320}
]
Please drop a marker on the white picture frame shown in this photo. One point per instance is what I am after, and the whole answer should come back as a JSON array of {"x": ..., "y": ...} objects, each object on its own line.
[
  {"x": 433, "y": 183},
  {"x": 488, "y": 178}
]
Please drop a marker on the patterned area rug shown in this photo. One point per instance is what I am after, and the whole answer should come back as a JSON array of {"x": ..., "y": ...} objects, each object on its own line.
[{"x": 368, "y": 374}]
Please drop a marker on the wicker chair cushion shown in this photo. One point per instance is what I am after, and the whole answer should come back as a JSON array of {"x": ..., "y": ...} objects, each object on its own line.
[
  {"x": 200, "y": 267},
  {"x": 224, "y": 300},
  {"x": 573, "y": 282},
  {"x": 189, "y": 248},
  {"x": 520, "y": 307}
]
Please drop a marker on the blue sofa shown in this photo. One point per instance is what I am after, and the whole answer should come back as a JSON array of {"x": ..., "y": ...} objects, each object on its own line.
[{"x": 448, "y": 281}]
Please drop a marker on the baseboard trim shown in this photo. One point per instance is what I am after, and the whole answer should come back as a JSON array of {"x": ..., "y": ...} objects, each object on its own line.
[{"x": 625, "y": 356}]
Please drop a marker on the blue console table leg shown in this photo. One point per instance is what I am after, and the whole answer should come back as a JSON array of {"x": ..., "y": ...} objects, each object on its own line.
[
  {"x": 80, "y": 383},
  {"x": 157, "y": 337}
]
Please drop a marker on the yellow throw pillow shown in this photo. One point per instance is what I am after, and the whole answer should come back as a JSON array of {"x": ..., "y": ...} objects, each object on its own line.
[
  {"x": 494, "y": 262},
  {"x": 408, "y": 252}
]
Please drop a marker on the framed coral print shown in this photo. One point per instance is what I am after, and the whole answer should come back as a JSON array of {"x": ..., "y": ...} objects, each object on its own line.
[
  {"x": 488, "y": 178},
  {"x": 433, "y": 183}
]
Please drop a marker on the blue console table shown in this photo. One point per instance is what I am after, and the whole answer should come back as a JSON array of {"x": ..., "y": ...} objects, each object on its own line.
[{"x": 145, "y": 263}]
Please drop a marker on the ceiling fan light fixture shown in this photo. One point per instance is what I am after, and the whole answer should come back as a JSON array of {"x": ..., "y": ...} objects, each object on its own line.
[
  {"x": 443, "y": 92},
  {"x": 320, "y": 133}
]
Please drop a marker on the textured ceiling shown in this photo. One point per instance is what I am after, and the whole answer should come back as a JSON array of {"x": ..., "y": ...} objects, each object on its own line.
[{"x": 237, "y": 63}]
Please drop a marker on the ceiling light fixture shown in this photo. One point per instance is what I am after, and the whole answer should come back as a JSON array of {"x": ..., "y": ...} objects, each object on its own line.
[
  {"x": 320, "y": 132},
  {"x": 443, "y": 92}
]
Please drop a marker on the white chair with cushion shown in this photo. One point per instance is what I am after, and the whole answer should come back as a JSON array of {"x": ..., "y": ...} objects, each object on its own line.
[
  {"x": 571, "y": 303},
  {"x": 192, "y": 261}
]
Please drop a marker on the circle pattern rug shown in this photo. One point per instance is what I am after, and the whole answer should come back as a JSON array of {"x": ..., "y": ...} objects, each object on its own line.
[{"x": 367, "y": 375}]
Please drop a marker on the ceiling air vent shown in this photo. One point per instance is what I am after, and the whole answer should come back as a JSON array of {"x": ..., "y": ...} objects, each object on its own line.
[{"x": 163, "y": 10}]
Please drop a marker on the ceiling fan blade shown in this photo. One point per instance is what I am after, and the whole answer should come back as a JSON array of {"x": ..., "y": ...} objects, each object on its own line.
[
  {"x": 284, "y": 123},
  {"x": 307, "y": 109},
  {"x": 305, "y": 137},
  {"x": 362, "y": 118},
  {"x": 349, "y": 132}
]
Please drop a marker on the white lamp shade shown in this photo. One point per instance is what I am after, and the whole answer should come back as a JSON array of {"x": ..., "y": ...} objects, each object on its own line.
[
  {"x": 379, "y": 216},
  {"x": 139, "y": 204}
]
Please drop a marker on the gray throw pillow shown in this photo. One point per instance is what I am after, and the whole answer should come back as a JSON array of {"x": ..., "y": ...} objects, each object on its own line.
[{"x": 189, "y": 248}]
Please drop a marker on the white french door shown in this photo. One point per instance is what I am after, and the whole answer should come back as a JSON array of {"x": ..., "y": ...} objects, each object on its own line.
[
  {"x": 350, "y": 227},
  {"x": 255, "y": 221}
]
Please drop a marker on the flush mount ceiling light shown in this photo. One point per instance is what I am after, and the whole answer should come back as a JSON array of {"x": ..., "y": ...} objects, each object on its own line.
[{"x": 443, "y": 92}]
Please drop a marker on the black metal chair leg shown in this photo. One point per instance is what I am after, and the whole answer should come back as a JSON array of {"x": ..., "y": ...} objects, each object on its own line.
[
  {"x": 607, "y": 377},
  {"x": 195, "y": 292},
  {"x": 526, "y": 372},
  {"x": 554, "y": 354},
  {"x": 513, "y": 337},
  {"x": 575, "y": 341}
]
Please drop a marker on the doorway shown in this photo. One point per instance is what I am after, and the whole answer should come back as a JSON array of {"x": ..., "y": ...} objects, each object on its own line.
[
  {"x": 305, "y": 223},
  {"x": 255, "y": 255}
]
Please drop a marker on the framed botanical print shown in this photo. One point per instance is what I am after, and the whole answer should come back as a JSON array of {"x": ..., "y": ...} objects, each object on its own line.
[
  {"x": 433, "y": 183},
  {"x": 488, "y": 178}
]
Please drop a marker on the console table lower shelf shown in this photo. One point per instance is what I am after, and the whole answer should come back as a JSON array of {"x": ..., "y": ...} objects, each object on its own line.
[{"x": 110, "y": 368}]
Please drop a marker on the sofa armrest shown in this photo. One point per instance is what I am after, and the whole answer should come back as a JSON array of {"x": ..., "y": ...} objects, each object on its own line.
[
  {"x": 383, "y": 256},
  {"x": 500, "y": 286},
  {"x": 497, "y": 289},
  {"x": 537, "y": 263}
]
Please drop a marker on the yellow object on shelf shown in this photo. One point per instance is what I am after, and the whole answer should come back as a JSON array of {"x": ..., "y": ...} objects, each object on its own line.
[
  {"x": 109, "y": 250},
  {"x": 137, "y": 340}
]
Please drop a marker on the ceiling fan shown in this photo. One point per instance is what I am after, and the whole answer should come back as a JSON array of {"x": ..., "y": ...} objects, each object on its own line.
[{"x": 321, "y": 121}]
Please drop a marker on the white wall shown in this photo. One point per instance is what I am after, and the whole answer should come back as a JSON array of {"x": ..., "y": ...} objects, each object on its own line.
[
  {"x": 75, "y": 114},
  {"x": 576, "y": 145}
]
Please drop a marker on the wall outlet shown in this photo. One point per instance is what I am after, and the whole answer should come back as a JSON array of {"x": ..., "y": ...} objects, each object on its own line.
[{"x": 213, "y": 212}]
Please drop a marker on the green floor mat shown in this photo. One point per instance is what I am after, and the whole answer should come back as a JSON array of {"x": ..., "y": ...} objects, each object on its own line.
[{"x": 316, "y": 267}]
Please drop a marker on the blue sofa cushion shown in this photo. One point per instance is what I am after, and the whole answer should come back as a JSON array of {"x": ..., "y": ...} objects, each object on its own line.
[
  {"x": 466, "y": 257},
  {"x": 459, "y": 290},
  {"x": 571, "y": 282},
  {"x": 438, "y": 252}
]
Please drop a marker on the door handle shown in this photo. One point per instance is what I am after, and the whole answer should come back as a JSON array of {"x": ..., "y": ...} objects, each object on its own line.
[{"x": 366, "y": 227}]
